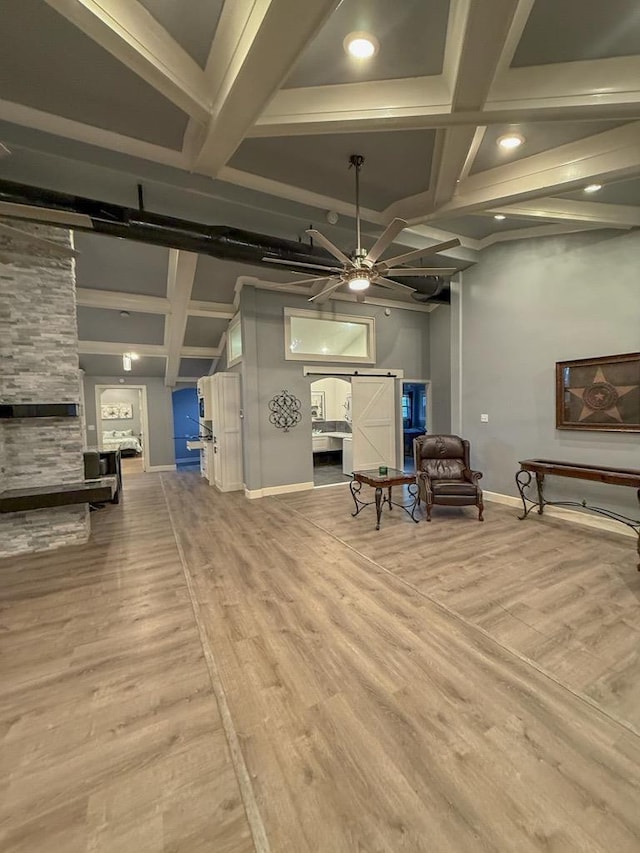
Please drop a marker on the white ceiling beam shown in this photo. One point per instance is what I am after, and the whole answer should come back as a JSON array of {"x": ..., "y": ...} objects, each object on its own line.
[
  {"x": 479, "y": 43},
  {"x": 534, "y": 231},
  {"x": 154, "y": 350},
  {"x": 69, "y": 129},
  {"x": 273, "y": 37},
  {"x": 614, "y": 154},
  {"x": 355, "y": 106},
  {"x": 598, "y": 84},
  {"x": 123, "y": 301},
  {"x": 118, "y": 301},
  {"x": 131, "y": 34},
  {"x": 200, "y": 352},
  {"x": 180, "y": 278},
  {"x": 214, "y": 310},
  {"x": 114, "y": 348},
  {"x": 597, "y": 213}
]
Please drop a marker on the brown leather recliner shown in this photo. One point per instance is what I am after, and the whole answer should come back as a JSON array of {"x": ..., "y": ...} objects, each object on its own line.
[{"x": 443, "y": 473}]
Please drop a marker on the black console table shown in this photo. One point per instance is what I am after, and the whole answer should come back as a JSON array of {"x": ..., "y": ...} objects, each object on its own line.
[{"x": 543, "y": 467}]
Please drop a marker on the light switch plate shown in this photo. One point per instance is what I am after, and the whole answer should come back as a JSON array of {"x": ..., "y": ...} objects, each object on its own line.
[{"x": 484, "y": 419}]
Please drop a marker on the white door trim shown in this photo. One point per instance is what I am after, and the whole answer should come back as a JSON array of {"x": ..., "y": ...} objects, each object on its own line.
[{"x": 144, "y": 417}]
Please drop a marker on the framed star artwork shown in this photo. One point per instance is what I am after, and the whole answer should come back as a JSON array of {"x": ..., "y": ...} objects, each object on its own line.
[{"x": 599, "y": 393}]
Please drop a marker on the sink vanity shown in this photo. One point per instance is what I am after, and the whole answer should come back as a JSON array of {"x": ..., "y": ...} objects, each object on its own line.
[{"x": 326, "y": 442}]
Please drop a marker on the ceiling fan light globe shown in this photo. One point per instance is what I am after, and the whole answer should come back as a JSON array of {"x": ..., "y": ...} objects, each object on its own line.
[{"x": 359, "y": 283}]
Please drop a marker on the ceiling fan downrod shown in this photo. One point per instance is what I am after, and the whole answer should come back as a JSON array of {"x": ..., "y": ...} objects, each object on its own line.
[{"x": 356, "y": 160}]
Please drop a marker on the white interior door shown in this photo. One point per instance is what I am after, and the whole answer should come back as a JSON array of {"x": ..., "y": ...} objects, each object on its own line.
[{"x": 374, "y": 421}]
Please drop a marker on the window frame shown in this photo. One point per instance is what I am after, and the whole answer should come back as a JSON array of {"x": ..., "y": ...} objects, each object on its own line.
[{"x": 368, "y": 322}]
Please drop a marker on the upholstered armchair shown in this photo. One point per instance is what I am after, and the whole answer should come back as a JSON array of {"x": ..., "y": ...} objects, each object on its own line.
[{"x": 443, "y": 473}]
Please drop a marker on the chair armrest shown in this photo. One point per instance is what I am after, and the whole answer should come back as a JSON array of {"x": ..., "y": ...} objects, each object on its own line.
[{"x": 472, "y": 476}]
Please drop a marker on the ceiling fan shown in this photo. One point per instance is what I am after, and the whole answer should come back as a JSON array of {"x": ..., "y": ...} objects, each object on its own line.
[
  {"x": 364, "y": 268},
  {"x": 24, "y": 238}
]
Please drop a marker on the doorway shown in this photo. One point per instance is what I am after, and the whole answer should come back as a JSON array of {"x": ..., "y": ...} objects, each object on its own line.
[
  {"x": 122, "y": 424},
  {"x": 415, "y": 413},
  {"x": 331, "y": 430}
]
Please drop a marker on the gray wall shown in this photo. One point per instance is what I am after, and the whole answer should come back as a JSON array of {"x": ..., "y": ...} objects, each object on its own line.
[
  {"x": 440, "y": 358},
  {"x": 525, "y": 306},
  {"x": 122, "y": 395},
  {"x": 271, "y": 456},
  {"x": 160, "y": 438}
]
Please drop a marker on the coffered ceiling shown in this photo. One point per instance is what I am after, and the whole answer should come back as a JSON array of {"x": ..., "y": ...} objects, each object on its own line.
[{"x": 244, "y": 113}]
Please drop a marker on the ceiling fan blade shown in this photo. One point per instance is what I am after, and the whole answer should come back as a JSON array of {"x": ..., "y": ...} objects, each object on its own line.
[
  {"x": 385, "y": 239},
  {"x": 418, "y": 253},
  {"x": 325, "y": 292},
  {"x": 283, "y": 286},
  {"x": 422, "y": 271},
  {"x": 318, "y": 267},
  {"x": 335, "y": 251},
  {"x": 393, "y": 285}
]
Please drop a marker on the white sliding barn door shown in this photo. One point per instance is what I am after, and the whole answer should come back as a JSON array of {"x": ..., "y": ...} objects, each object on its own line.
[{"x": 373, "y": 403}]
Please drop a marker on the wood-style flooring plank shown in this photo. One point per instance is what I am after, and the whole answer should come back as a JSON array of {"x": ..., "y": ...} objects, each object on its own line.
[
  {"x": 111, "y": 736},
  {"x": 373, "y": 719},
  {"x": 564, "y": 596}
]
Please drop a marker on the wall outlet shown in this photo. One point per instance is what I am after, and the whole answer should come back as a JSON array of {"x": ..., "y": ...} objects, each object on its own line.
[
  {"x": 484, "y": 419},
  {"x": 91, "y": 427}
]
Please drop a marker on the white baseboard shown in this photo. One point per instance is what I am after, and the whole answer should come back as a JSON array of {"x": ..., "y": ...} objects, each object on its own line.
[
  {"x": 277, "y": 490},
  {"x": 565, "y": 514},
  {"x": 152, "y": 469}
]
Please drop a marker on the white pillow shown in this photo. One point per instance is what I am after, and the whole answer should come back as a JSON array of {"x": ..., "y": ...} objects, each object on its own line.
[{"x": 122, "y": 433}]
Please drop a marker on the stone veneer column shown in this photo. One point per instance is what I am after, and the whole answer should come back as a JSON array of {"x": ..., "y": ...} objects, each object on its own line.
[{"x": 39, "y": 364}]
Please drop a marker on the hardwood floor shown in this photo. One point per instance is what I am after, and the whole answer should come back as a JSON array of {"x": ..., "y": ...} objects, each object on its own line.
[
  {"x": 564, "y": 596},
  {"x": 111, "y": 735},
  {"x": 286, "y": 678}
]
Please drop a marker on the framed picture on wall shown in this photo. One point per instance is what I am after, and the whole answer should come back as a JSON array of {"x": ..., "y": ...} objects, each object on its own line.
[
  {"x": 317, "y": 406},
  {"x": 600, "y": 393},
  {"x": 116, "y": 411}
]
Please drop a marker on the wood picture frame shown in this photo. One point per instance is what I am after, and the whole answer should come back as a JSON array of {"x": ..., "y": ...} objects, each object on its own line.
[{"x": 600, "y": 394}]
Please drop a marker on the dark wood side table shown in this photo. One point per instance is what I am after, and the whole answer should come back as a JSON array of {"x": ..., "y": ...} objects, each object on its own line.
[
  {"x": 577, "y": 471},
  {"x": 378, "y": 481}
]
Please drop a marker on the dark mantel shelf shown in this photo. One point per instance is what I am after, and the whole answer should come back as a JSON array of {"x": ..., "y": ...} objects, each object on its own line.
[{"x": 63, "y": 494}]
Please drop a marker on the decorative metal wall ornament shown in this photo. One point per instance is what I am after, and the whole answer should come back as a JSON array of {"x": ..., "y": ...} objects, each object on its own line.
[{"x": 285, "y": 411}]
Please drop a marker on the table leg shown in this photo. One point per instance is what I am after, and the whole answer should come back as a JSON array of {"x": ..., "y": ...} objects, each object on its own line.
[
  {"x": 378, "y": 506},
  {"x": 540, "y": 485},
  {"x": 354, "y": 488},
  {"x": 638, "y": 531},
  {"x": 389, "y": 499}
]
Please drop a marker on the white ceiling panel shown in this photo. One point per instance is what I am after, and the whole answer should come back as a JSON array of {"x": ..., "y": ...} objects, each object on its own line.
[
  {"x": 574, "y": 30},
  {"x": 193, "y": 28},
  {"x": 411, "y": 35},
  {"x": 111, "y": 365},
  {"x": 65, "y": 73}
]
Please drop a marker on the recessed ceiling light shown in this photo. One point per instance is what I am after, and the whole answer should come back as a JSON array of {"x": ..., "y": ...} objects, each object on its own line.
[
  {"x": 510, "y": 141},
  {"x": 593, "y": 188},
  {"x": 361, "y": 45},
  {"x": 500, "y": 216},
  {"x": 124, "y": 313}
]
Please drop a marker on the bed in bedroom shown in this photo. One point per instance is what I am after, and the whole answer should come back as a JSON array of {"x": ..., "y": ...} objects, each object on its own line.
[{"x": 123, "y": 440}]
